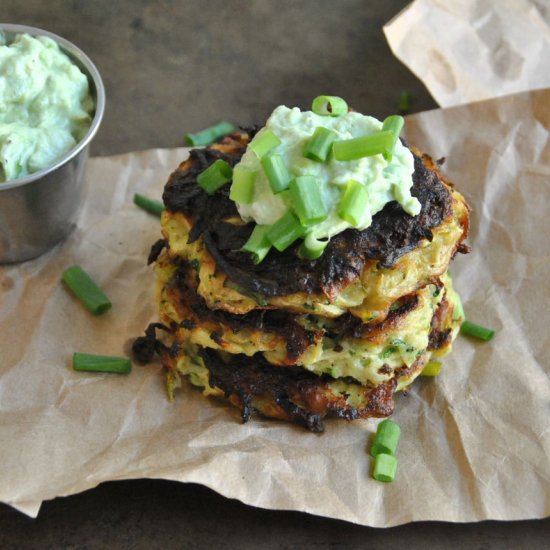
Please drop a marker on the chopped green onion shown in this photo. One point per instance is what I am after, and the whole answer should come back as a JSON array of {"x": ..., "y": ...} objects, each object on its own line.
[
  {"x": 242, "y": 188},
  {"x": 364, "y": 146},
  {"x": 307, "y": 200},
  {"x": 264, "y": 142},
  {"x": 216, "y": 175},
  {"x": 404, "y": 102},
  {"x": 329, "y": 105},
  {"x": 276, "y": 172},
  {"x": 285, "y": 197},
  {"x": 101, "y": 363},
  {"x": 386, "y": 438},
  {"x": 393, "y": 124},
  {"x": 285, "y": 231},
  {"x": 477, "y": 331},
  {"x": 385, "y": 466},
  {"x": 209, "y": 135},
  {"x": 258, "y": 244},
  {"x": 312, "y": 248},
  {"x": 353, "y": 203},
  {"x": 150, "y": 205},
  {"x": 432, "y": 368},
  {"x": 319, "y": 145},
  {"x": 84, "y": 288}
]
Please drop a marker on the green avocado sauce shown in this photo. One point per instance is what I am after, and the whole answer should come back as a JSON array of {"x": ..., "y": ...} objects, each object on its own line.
[
  {"x": 45, "y": 105},
  {"x": 383, "y": 178}
]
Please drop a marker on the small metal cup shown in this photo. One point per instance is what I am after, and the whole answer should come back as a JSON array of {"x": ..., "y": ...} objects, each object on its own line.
[{"x": 39, "y": 210}]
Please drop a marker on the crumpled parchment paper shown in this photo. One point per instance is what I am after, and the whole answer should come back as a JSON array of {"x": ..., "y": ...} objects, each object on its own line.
[
  {"x": 470, "y": 50},
  {"x": 475, "y": 441}
]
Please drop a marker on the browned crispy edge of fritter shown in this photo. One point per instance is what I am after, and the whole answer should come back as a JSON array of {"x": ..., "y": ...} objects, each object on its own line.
[
  {"x": 193, "y": 311},
  {"x": 290, "y": 393}
]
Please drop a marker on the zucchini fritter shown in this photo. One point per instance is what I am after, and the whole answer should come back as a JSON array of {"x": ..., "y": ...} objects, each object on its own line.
[{"x": 363, "y": 272}]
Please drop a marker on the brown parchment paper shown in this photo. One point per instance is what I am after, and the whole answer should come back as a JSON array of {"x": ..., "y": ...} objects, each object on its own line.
[
  {"x": 475, "y": 441},
  {"x": 470, "y": 50}
]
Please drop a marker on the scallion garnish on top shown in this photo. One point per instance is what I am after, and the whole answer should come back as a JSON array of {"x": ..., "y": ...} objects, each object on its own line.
[
  {"x": 285, "y": 231},
  {"x": 86, "y": 290},
  {"x": 209, "y": 135},
  {"x": 264, "y": 142},
  {"x": 329, "y": 105},
  {"x": 258, "y": 243},
  {"x": 276, "y": 172},
  {"x": 364, "y": 146},
  {"x": 242, "y": 188},
  {"x": 307, "y": 200},
  {"x": 319, "y": 145},
  {"x": 393, "y": 124},
  {"x": 312, "y": 248},
  {"x": 216, "y": 175},
  {"x": 353, "y": 203}
]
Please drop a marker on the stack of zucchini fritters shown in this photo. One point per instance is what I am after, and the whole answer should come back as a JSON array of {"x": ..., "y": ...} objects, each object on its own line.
[{"x": 298, "y": 339}]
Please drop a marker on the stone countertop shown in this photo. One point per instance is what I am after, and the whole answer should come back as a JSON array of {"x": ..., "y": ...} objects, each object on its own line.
[{"x": 172, "y": 67}]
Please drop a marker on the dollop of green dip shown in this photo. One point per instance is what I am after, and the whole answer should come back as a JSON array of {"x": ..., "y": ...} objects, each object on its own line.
[
  {"x": 384, "y": 180},
  {"x": 45, "y": 105}
]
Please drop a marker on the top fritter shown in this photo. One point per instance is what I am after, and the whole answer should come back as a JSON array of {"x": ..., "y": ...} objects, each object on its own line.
[{"x": 390, "y": 254}]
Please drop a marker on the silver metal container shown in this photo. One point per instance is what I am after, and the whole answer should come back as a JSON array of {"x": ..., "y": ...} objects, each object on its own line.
[{"x": 39, "y": 210}]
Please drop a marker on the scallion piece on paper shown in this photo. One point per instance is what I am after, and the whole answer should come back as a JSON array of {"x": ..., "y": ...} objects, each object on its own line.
[
  {"x": 364, "y": 146},
  {"x": 319, "y": 145},
  {"x": 264, "y": 142},
  {"x": 101, "y": 363},
  {"x": 312, "y": 248},
  {"x": 150, "y": 205},
  {"x": 307, "y": 200},
  {"x": 477, "y": 331},
  {"x": 386, "y": 438},
  {"x": 86, "y": 290},
  {"x": 329, "y": 105},
  {"x": 285, "y": 231},
  {"x": 276, "y": 172},
  {"x": 242, "y": 188},
  {"x": 353, "y": 203},
  {"x": 209, "y": 135},
  {"x": 385, "y": 467},
  {"x": 258, "y": 243},
  {"x": 216, "y": 175},
  {"x": 432, "y": 368},
  {"x": 393, "y": 124}
]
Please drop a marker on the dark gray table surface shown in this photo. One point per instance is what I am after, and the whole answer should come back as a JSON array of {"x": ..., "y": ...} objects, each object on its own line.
[{"x": 173, "y": 67}]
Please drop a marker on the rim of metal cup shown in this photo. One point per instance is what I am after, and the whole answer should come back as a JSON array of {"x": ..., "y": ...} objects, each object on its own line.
[{"x": 78, "y": 56}]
